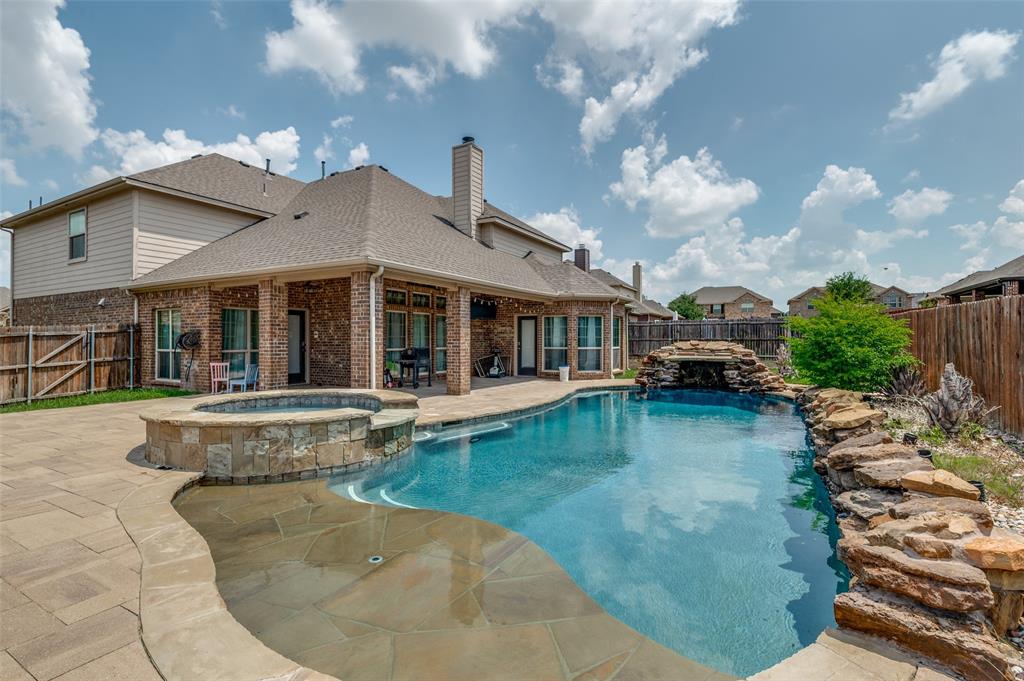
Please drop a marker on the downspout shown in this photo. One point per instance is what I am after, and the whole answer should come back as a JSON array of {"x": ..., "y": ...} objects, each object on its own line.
[
  {"x": 373, "y": 325},
  {"x": 10, "y": 231}
]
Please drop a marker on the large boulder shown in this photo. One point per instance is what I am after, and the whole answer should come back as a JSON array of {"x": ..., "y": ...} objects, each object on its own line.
[
  {"x": 1000, "y": 551},
  {"x": 846, "y": 458},
  {"x": 958, "y": 641},
  {"x": 878, "y": 437},
  {"x": 941, "y": 483},
  {"x": 888, "y": 472},
  {"x": 852, "y": 417},
  {"x": 867, "y": 503},
  {"x": 943, "y": 584},
  {"x": 977, "y": 511}
]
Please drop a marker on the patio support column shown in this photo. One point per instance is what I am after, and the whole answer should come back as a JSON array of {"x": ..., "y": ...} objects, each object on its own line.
[
  {"x": 978, "y": 294},
  {"x": 460, "y": 364},
  {"x": 359, "y": 344},
  {"x": 273, "y": 308},
  {"x": 607, "y": 364}
]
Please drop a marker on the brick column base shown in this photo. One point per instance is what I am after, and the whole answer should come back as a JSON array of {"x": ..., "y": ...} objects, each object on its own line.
[
  {"x": 460, "y": 364},
  {"x": 273, "y": 335}
]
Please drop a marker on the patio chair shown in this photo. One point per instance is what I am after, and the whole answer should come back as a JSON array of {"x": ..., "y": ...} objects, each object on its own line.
[
  {"x": 218, "y": 374},
  {"x": 252, "y": 375}
]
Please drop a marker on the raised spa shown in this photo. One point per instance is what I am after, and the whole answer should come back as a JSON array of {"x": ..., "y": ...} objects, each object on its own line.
[{"x": 280, "y": 435}]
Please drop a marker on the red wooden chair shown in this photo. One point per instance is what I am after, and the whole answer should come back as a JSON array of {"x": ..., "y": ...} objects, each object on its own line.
[{"x": 218, "y": 374}]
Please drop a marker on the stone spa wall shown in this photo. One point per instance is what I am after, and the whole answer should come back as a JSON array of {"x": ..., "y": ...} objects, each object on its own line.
[
  {"x": 230, "y": 439},
  {"x": 930, "y": 572}
]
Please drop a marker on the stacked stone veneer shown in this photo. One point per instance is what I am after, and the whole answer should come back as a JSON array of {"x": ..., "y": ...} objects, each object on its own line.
[
  {"x": 707, "y": 364},
  {"x": 228, "y": 444},
  {"x": 930, "y": 571}
]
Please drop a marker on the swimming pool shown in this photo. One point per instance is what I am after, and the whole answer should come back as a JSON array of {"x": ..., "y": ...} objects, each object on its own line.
[{"x": 695, "y": 516}]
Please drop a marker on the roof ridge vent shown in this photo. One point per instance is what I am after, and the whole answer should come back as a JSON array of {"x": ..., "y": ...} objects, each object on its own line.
[
  {"x": 243, "y": 163},
  {"x": 300, "y": 215},
  {"x": 195, "y": 156},
  {"x": 334, "y": 173}
]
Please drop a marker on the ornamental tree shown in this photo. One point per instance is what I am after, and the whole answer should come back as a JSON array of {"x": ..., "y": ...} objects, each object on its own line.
[{"x": 685, "y": 305}]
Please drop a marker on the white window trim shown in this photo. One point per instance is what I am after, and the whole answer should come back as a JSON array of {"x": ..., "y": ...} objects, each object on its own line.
[
  {"x": 440, "y": 348},
  {"x": 249, "y": 349},
  {"x": 157, "y": 350},
  {"x": 404, "y": 292},
  {"x": 581, "y": 348},
  {"x": 405, "y": 332},
  {"x": 544, "y": 347},
  {"x": 617, "y": 349},
  {"x": 85, "y": 255}
]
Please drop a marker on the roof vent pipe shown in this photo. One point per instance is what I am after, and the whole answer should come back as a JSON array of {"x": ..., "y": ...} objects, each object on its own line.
[
  {"x": 268, "y": 166},
  {"x": 323, "y": 169}
]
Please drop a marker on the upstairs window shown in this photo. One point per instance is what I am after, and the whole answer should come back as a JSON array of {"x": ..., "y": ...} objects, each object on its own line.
[
  {"x": 716, "y": 308},
  {"x": 747, "y": 308},
  {"x": 892, "y": 301},
  {"x": 76, "y": 235}
]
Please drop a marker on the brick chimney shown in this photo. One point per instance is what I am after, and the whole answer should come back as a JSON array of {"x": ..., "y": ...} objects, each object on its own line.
[
  {"x": 638, "y": 280},
  {"x": 467, "y": 185},
  {"x": 581, "y": 256}
]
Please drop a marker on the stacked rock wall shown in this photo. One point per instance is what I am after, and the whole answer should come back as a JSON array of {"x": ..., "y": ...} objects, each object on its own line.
[
  {"x": 931, "y": 573},
  {"x": 707, "y": 364}
]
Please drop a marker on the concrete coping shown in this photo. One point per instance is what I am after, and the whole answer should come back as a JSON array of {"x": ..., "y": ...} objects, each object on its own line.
[{"x": 387, "y": 408}]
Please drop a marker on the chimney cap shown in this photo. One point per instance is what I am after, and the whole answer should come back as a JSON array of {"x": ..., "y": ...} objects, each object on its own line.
[{"x": 467, "y": 139}]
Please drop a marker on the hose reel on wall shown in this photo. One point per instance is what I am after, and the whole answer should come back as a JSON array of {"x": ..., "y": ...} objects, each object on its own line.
[{"x": 189, "y": 340}]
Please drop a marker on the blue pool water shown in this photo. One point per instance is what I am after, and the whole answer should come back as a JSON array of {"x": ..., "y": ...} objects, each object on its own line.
[{"x": 695, "y": 517}]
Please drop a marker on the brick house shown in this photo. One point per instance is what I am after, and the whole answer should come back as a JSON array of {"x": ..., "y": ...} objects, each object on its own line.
[
  {"x": 892, "y": 297},
  {"x": 1005, "y": 280},
  {"x": 640, "y": 308},
  {"x": 319, "y": 283},
  {"x": 734, "y": 302}
]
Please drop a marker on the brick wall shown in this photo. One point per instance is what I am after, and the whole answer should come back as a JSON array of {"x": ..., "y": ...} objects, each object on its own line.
[
  {"x": 460, "y": 362},
  {"x": 194, "y": 305},
  {"x": 359, "y": 315},
  {"x": 273, "y": 307},
  {"x": 734, "y": 310},
  {"x": 328, "y": 312},
  {"x": 76, "y": 308}
]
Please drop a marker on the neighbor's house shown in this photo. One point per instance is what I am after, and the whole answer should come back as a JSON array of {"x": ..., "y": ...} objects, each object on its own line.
[
  {"x": 892, "y": 297},
  {"x": 318, "y": 283},
  {"x": 640, "y": 309},
  {"x": 1005, "y": 280},
  {"x": 734, "y": 302}
]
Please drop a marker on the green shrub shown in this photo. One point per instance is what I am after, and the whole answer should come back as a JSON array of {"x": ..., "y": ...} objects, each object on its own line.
[
  {"x": 933, "y": 435},
  {"x": 685, "y": 305},
  {"x": 849, "y": 286},
  {"x": 850, "y": 344},
  {"x": 970, "y": 432}
]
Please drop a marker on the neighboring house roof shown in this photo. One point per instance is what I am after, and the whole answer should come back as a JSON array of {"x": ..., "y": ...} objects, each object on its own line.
[
  {"x": 818, "y": 291},
  {"x": 650, "y": 307},
  {"x": 224, "y": 179},
  {"x": 369, "y": 216},
  {"x": 718, "y": 295},
  {"x": 213, "y": 178},
  {"x": 609, "y": 279},
  {"x": 984, "y": 278}
]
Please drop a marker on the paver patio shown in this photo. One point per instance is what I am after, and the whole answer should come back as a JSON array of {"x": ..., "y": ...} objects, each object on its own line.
[{"x": 70, "y": 572}]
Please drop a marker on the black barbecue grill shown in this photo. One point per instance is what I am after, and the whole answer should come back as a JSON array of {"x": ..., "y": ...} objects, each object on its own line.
[{"x": 414, "y": 359}]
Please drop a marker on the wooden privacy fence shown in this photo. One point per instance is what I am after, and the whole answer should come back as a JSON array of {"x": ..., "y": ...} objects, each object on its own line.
[
  {"x": 763, "y": 336},
  {"x": 40, "y": 362},
  {"x": 985, "y": 340}
]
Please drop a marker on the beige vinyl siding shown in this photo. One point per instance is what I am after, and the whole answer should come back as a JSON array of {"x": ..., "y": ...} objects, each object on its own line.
[
  {"x": 41, "y": 266},
  {"x": 507, "y": 241},
  {"x": 170, "y": 227}
]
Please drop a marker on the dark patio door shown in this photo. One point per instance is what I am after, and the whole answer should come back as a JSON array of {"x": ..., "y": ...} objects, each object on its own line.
[
  {"x": 526, "y": 346},
  {"x": 297, "y": 346}
]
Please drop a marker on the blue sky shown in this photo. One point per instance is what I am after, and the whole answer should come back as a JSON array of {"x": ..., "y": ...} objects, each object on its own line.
[{"x": 767, "y": 144}]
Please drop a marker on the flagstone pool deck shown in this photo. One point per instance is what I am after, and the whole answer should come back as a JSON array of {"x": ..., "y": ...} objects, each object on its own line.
[{"x": 90, "y": 540}]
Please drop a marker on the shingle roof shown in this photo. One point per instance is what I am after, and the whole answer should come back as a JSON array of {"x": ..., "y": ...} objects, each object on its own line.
[
  {"x": 716, "y": 295},
  {"x": 492, "y": 211},
  {"x": 1011, "y": 270},
  {"x": 370, "y": 216},
  {"x": 650, "y": 307},
  {"x": 609, "y": 279},
  {"x": 218, "y": 177}
]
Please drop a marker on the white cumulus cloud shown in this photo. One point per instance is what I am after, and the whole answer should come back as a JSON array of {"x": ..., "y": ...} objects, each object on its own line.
[
  {"x": 9, "y": 173},
  {"x": 134, "y": 152},
  {"x": 358, "y": 155},
  {"x": 1014, "y": 203},
  {"x": 565, "y": 226},
  {"x": 46, "y": 87},
  {"x": 974, "y": 56},
  {"x": 682, "y": 196},
  {"x": 329, "y": 39},
  {"x": 342, "y": 121},
  {"x": 912, "y": 207},
  {"x": 325, "y": 151}
]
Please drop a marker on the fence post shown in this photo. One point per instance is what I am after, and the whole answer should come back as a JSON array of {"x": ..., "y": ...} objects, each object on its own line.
[
  {"x": 28, "y": 391},
  {"x": 131, "y": 357},
  {"x": 92, "y": 358}
]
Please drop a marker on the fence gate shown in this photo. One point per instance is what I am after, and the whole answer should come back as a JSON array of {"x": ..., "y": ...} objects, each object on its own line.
[{"x": 39, "y": 362}]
